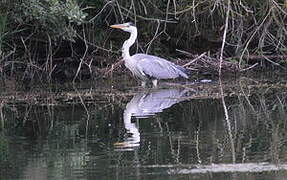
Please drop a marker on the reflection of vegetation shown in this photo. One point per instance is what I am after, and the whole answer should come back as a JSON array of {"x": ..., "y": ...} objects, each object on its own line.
[
  {"x": 4, "y": 150},
  {"x": 5, "y": 154},
  {"x": 3, "y": 24},
  {"x": 67, "y": 136}
]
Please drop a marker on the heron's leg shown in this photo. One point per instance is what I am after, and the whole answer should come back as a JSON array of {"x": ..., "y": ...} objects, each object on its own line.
[
  {"x": 143, "y": 84},
  {"x": 154, "y": 82}
]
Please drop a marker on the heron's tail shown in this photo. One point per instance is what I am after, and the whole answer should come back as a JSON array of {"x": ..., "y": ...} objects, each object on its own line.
[{"x": 184, "y": 72}]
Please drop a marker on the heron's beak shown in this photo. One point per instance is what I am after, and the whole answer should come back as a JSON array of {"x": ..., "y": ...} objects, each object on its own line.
[{"x": 117, "y": 26}]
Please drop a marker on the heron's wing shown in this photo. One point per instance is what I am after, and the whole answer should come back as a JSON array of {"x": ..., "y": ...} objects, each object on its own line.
[{"x": 156, "y": 67}]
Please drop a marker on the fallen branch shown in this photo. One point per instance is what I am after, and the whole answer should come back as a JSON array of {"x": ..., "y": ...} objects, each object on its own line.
[
  {"x": 191, "y": 62},
  {"x": 262, "y": 57},
  {"x": 242, "y": 70},
  {"x": 207, "y": 64}
]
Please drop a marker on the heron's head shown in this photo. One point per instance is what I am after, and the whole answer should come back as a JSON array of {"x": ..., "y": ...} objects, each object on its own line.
[{"x": 128, "y": 27}]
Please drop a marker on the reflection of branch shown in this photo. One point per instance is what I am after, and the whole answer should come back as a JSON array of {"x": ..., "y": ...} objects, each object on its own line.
[
  {"x": 175, "y": 154},
  {"x": 275, "y": 143},
  {"x": 246, "y": 97},
  {"x": 197, "y": 144},
  {"x": 227, "y": 122},
  {"x": 159, "y": 124},
  {"x": 85, "y": 107},
  {"x": 51, "y": 113},
  {"x": 1, "y": 114}
]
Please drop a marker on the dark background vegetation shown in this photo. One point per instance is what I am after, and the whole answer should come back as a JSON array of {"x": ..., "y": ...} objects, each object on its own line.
[{"x": 60, "y": 37}]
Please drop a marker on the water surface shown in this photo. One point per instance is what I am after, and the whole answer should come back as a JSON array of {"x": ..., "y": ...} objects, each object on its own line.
[{"x": 234, "y": 129}]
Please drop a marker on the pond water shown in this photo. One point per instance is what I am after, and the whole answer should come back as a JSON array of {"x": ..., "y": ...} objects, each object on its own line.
[{"x": 229, "y": 129}]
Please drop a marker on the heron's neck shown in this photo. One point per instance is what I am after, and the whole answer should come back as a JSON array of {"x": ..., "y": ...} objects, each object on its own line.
[
  {"x": 128, "y": 43},
  {"x": 131, "y": 127}
]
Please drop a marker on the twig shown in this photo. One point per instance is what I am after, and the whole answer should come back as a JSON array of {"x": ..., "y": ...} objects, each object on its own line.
[
  {"x": 120, "y": 11},
  {"x": 113, "y": 67},
  {"x": 83, "y": 57},
  {"x": 148, "y": 18},
  {"x": 109, "y": 2},
  {"x": 191, "y": 62},
  {"x": 252, "y": 36},
  {"x": 184, "y": 52},
  {"x": 271, "y": 61},
  {"x": 174, "y": 5},
  {"x": 144, "y": 7},
  {"x": 166, "y": 14},
  {"x": 242, "y": 70},
  {"x": 260, "y": 57},
  {"x": 224, "y": 35},
  {"x": 156, "y": 35}
]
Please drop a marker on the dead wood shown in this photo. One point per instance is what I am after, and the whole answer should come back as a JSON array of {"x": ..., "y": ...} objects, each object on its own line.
[
  {"x": 211, "y": 65},
  {"x": 262, "y": 57}
]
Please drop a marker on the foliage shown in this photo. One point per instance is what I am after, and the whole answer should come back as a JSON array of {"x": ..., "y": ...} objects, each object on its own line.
[
  {"x": 52, "y": 16},
  {"x": 254, "y": 28},
  {"x": 36, "y": 29}
]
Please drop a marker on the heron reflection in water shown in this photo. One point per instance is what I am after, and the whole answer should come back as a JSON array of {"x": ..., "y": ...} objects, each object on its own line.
[
  {"x": 144, "y": 105},
  {"x": 146, "y": 67}
]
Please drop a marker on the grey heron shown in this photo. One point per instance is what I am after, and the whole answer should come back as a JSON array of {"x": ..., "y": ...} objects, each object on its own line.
[{"x": 147, "y": 67}]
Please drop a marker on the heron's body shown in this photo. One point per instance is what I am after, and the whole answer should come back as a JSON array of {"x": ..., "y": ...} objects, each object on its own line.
[{"x": 147, "y": 67}]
